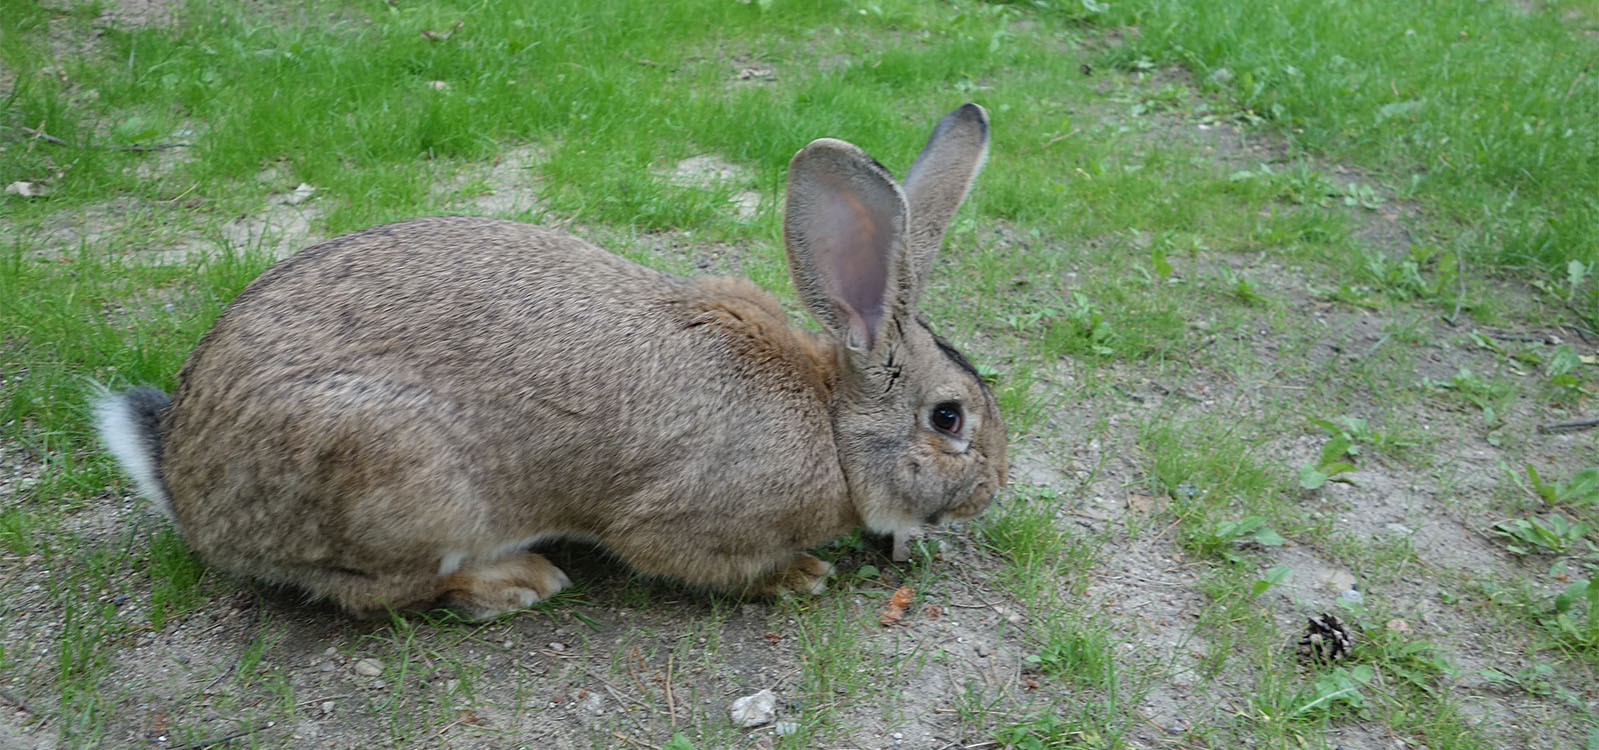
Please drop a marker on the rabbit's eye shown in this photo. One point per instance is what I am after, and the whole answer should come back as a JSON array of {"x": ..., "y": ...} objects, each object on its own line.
[{"x": 946, "y": 417}]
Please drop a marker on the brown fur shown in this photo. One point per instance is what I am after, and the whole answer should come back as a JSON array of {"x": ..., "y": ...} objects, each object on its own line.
[{"x": 388, "y": 418}]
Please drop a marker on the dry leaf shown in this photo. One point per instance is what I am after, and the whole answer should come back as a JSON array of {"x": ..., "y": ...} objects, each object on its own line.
[
  {"x": 895, "y": 611},
  {"x": 1140, "y": 503},
  {"x": 301, "y": 194},
  {"x": 439, "y": 36}
]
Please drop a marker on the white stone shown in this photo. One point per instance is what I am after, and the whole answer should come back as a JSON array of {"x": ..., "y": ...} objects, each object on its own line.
[
  {"x": 754, "y": 710},
  {"x": 369, "y": 667}
]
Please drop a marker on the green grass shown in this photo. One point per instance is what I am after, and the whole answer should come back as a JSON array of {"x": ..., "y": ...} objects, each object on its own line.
[
  {"x": 1369, "y": 286},
  {"x": 1484, "y": 110}
]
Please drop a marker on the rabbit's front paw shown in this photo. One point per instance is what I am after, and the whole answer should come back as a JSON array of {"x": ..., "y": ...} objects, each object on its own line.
[
  {"x": 514, "y": 582},
  {"x": 803, "y": 575}
]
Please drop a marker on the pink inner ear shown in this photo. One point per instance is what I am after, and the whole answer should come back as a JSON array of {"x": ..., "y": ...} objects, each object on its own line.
[{"x": 853, "y": 258}]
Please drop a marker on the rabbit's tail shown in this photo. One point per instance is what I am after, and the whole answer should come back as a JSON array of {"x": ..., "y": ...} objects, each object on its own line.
[{"x": 129, "y": 424}]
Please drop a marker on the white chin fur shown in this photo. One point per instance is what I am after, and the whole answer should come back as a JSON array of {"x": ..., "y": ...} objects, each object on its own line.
[{"x": 119, "y": 431}]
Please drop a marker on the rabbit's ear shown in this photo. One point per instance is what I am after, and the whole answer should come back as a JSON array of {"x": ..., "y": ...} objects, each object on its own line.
[
  {"x": 844, "y": 227},
  {"x": 940, "y": 179}
]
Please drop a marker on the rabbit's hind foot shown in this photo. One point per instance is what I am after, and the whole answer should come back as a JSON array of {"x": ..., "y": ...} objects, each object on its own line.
[
  {"x": 804, "y": 574},
  {"x": 516, "y": 581}
]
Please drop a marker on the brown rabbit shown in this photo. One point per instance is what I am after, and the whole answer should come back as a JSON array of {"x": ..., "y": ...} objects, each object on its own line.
[{"x": 391, "y": 418}]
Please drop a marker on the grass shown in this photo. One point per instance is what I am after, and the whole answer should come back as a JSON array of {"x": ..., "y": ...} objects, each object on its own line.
[
  {"x": 1481, "y": 110},
  {"x": 1253, "y": 283}
]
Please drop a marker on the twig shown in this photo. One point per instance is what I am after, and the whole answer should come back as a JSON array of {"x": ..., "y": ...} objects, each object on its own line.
[
  {"x": 224, "y": 673},
  {"x": 671, "y": 708},
  {"x": 634, "y": 672},
  {"x": 1376, "y": 346},
  {"x": 179, "y": 196},
  {"x": 631, "y": 741},
  {"x": 1586, "y": 335},
  {"x": 1460, "y": 281},
  {"x": 16, "y": 700},
  {"x": 1141, "y": 579},
  {"x": 43, "y": 136},
  {"x": 1164, "y": 391},
  {"x": 1514, "y": 336},
  {"x": 447, "y": 727},
  {"x": 136, "y": 148},
  {"x": 617, "y": 694},
  {"x": 1573, "y": 87},
  {"x": 1570, "y": 426},
  {"x": 217, "y": 740},
  {"x": 1580, "y": 75},
  {"x": 39, "y": 134}
]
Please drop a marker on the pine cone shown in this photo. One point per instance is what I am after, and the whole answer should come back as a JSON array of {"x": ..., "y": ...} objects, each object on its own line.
[{"x": 1326, "y": 639}]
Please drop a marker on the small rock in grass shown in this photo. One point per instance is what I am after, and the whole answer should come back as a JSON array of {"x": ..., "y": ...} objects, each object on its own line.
[
  {"x": 369, "y": 667},
  {"x": 786, "y": 728},
  {"x": 327, "y": 708},
  {"x": 754, "y": 710}
]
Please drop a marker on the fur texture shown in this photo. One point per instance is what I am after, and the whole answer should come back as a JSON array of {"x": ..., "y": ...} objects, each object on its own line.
[{"x": 387, "y": 419}]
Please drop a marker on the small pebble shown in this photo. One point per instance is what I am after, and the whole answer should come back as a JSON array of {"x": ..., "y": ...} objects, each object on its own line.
[
  {"x": 984, "y": 651},
  {"x": 369, "y": 667},
  {"x": 326, "y": 666},
  {"x": 327, "y": 707},
  {"x": 557, "y": 647},
  {"x": 786, "y": 728},
  {"x": 754, "y": 710}
]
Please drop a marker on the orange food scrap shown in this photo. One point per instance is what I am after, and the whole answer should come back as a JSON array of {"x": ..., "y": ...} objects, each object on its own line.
[{"x": 895, "y": 611}]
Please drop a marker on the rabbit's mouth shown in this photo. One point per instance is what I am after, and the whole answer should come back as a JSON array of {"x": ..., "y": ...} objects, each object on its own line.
[{"x": 977, "y": 503}]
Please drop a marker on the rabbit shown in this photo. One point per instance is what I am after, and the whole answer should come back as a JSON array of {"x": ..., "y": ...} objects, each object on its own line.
[{"x": 391, "y": 418}]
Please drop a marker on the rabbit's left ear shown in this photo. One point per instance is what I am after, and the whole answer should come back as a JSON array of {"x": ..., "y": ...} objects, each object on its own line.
[
  {"x": 939, "y": 180},
  {"x": 844, "y": 227}
]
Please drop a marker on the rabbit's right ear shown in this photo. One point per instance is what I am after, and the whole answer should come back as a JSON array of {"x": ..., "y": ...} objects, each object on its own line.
[
  {"x": 939, "y": 180},
  {"x": 844, "y": 227}
]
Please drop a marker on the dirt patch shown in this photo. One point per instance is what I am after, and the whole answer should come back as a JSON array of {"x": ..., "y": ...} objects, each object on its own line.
[
  {"x": 711, "y": 172},
  {"x": 140, "y": 14}
]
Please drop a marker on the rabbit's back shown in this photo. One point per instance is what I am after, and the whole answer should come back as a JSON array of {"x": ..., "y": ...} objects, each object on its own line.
[{"x": 452, "y": 382}]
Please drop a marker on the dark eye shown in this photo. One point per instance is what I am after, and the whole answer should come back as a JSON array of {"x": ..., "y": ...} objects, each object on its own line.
[{"x": 946, "y": 417}]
